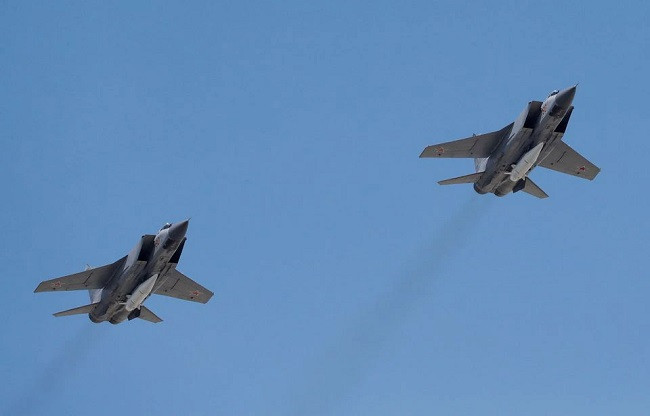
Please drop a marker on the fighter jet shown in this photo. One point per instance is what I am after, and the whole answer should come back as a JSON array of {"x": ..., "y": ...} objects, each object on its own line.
[
  {"x": 118, "y": 290},
  {"x": 503, "y": 159}
]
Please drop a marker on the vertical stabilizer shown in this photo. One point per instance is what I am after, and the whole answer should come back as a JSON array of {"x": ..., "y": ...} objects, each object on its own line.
[
  {"x": 95, "y": 294},
  {"x": 480, "y": 163}
]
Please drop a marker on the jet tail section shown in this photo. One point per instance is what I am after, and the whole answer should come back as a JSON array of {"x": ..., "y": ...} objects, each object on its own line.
[
  {"x": 77, "y": 311},
  {"x": 471, "y": 178}
]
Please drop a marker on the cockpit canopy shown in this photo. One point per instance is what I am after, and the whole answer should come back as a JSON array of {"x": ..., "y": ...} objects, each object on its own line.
[
  {"x": 166, "y": 226},
  {"x": 554, "y": 92}
]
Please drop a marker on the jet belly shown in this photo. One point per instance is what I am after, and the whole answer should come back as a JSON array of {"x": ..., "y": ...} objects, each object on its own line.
[
  {"x": 140, "y": 293},
  {"x": 166, "y": 243},
  {"x": 551, "y": 134},
  {"x": 131, "y": 308},
  {"x": 499, "y": 163},
  {"x": 526, "y": 163},
  {"x": 116, "y": 292}
]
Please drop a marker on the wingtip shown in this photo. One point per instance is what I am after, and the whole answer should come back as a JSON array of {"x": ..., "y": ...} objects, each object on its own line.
[
  {"x": 425, "y": 153},
  {"x": 209, "y": 297}
]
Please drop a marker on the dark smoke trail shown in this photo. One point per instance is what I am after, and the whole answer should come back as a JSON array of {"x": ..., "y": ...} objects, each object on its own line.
[
  {"x": 56, "y": 374},
  {"x": 344, "y": 364}
]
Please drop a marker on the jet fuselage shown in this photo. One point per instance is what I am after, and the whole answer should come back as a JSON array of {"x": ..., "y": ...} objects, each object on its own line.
[
  {"x": 148, "y": 259},
  {"x": 535, "y": 125}
]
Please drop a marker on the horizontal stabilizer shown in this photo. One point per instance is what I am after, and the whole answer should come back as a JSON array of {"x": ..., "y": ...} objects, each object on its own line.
[
  {"x": 471, "y": 178},
  {"x": 77, "y": 311},
  {"x": 147, "y": 315},
  {"x": 531, "y": 188}
]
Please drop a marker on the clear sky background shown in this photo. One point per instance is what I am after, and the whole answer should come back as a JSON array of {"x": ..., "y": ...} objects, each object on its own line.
[{"x": 347, "y": 282}]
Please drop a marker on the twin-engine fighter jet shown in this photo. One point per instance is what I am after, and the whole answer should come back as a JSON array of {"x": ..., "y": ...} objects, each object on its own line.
[
  {"x": 118, "y": 290},
  {"x": 503, "y": 159}
]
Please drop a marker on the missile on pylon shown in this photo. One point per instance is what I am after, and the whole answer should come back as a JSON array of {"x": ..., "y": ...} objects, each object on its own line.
[
  {"x": 140, "y": 293},
  {"x": 526, "y": 163}
]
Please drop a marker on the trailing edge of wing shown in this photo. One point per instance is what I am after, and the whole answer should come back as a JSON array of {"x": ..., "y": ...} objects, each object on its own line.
[
  {"x": 89, "y": 279},
  {"x": 472, "y": 147}
]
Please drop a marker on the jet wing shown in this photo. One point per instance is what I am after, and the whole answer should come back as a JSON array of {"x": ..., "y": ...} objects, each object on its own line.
[
  {"x": 95, "y": 278},
  {"x": 566, "y": 160},
  {"x": 177, "y": 285},
  {"x": 472, "y": 147}
]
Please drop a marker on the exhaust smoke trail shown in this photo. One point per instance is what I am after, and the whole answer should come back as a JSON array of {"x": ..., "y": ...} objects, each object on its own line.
[
  {"x": 344, "y": 364},
  {"x": 57, "y": 373}
]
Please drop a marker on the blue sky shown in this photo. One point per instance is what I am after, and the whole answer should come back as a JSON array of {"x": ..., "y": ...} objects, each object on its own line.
[{"x": 346, "y": 281}]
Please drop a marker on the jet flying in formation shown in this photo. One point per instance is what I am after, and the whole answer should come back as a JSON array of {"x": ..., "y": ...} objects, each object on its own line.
[
  {"x": 503, "y": 159},
  {"x": 118, "y": 290}
]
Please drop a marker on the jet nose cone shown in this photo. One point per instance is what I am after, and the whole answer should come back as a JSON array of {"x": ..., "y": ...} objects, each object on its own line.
[
  {"x": 177, "y": 231},
  {"x": 565, "y": 97}
]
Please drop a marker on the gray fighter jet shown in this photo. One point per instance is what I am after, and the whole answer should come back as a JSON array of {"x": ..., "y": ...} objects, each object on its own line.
[
  {"x": 118, "y": 290},
  {"x": 503, "y": 159}
]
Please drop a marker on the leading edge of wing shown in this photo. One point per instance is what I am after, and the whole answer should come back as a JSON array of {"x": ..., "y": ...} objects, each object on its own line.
[
  {"x": 88, "y": 279},
  {"x": 472, "y": 147}
]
